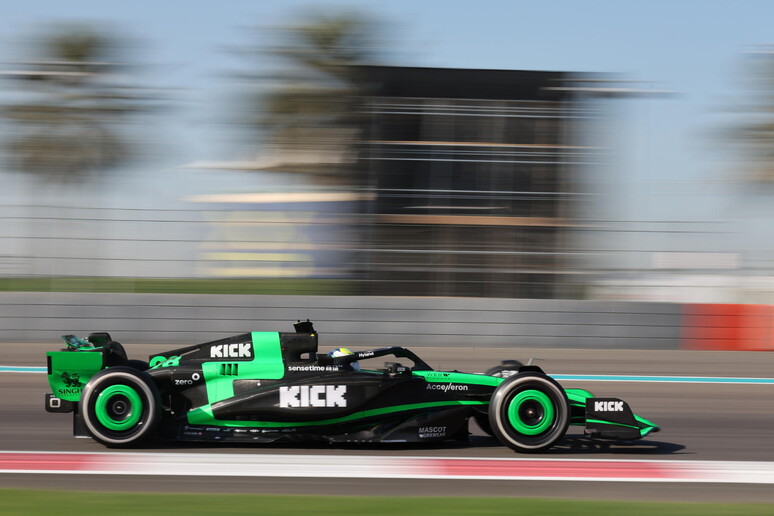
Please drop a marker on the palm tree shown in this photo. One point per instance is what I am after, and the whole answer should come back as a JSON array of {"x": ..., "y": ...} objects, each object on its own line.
[
  {"x": 67, "y": 121},
  {"x": 753, "y": 133},
  {"x": 310, "y": 116}
]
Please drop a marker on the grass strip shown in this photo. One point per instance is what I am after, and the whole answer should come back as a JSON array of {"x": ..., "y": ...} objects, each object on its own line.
[
  {"x": 64, "y": 503},
  {"x": 261, "y": 286}
]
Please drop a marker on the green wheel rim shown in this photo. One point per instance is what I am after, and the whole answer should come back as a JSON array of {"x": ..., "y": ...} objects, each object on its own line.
[
  {"x": 118, "y": 398},
  {"x": 531, "y": 401}
]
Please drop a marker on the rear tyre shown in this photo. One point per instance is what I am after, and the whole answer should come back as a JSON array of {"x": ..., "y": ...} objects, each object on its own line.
[
  {"x": 529, "y": 412},
  {"x": 140, "y": 365},
  {"x": 120, "y": 407}
]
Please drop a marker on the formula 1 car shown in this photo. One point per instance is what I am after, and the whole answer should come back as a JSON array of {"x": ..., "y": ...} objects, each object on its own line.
[{"x": 267, "y": 387}]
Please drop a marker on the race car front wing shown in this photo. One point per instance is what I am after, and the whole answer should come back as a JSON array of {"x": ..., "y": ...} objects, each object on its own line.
[{"x": 611, "y": 418}]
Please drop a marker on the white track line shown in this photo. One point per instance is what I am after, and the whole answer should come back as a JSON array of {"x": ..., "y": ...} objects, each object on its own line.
[{"x": 358, "y": 466}]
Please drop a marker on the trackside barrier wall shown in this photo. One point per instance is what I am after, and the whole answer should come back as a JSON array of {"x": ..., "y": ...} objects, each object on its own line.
[
  {"x": 728, "y": 327},
  {"x": 343, "y": 320},
  {"x": 386, "y": 321}
]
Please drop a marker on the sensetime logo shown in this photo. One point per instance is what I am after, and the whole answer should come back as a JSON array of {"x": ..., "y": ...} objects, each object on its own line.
[{"x": 313, "y": 396}]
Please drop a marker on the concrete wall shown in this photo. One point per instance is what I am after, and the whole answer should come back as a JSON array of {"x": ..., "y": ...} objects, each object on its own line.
[{"x": 354, "y": 321}]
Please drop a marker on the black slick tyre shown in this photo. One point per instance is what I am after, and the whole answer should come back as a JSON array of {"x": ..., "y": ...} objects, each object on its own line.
[
  {"x": 506, "y": 369},
  {"x": 139, "y": 365},
  {"x": 529, "y": 412},
  {"x": 120, "y": 407}
]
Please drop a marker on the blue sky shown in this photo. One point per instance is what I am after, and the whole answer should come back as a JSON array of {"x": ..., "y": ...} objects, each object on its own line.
[{"x": 692, "y": 47}]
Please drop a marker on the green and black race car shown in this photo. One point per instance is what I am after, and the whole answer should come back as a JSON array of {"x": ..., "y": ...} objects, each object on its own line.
[{"x": 267, "y": 387}]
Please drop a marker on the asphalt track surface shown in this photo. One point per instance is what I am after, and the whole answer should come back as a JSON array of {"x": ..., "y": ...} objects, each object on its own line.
[{"x": 700, "y": 422}]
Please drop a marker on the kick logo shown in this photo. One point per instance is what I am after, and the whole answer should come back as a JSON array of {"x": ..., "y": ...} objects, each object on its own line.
[
  {"x": 608, "y": 406},
  {"x": 313, "y": 396},
  {"x": 239, "y": 350}
]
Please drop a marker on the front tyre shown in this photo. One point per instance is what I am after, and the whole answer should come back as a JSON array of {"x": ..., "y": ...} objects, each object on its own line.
[
  {"x": 529, "y": 412},
  {"x": 506, "y": 369},
  {"x": 120, "y": 406}
]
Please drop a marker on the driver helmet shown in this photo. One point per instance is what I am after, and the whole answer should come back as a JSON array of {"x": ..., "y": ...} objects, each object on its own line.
[{"x": 343, "y": 352}]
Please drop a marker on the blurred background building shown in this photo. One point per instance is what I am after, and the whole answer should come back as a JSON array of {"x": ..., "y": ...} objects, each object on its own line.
[{"x": 473, "y": 178}]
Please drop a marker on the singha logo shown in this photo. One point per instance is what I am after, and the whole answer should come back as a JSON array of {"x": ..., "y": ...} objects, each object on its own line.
[{"x": 71, "y": 380}]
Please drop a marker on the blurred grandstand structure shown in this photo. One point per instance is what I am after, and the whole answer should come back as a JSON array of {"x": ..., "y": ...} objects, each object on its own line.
[
  {"x": 472, "y": 174},
  {"x": 464, "y": 184}
]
